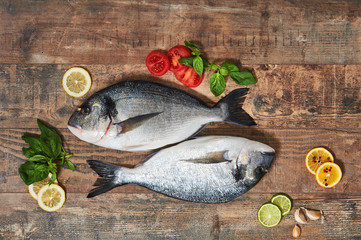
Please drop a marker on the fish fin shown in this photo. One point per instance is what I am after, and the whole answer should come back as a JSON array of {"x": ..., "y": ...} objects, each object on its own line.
[
  {"x": 233, "y": 102},
  {"x": 196, "y": 133},
  {"x": 211, "y": 158},
  {"x": 107, "y": 180},
  {"x": 146, "y": 159},
  {"x": 134, "y": 122}
]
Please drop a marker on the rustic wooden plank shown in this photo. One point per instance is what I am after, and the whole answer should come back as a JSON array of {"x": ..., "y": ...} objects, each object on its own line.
[
  {"x": 286, "y": 96},
  {"x": 288, "y": 172},
  {"x": 147, "y": 216},
  {"x": 296, "y": 108},
  {"x": 253, "y": 32}
]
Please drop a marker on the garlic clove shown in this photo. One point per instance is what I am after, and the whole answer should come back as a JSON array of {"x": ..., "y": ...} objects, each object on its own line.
[
  {"x": 300, "y": 217},
  {"x": 296, "y": 232},
  {"x": 313, "y": 214}
]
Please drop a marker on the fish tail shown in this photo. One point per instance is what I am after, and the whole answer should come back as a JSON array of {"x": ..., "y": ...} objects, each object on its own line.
[
  {"x": 108, "y": 177},
  {"x": 232, "y": 107}
]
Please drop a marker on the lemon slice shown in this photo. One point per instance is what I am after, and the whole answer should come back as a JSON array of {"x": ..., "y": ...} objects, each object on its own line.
[
  {"x": 328, "y": 175},
  {"x": 76, "y": 81},
  {"x": 35, "y": 187},
  {"x": 283, "y": 201},
  {"x": 51, "y": 197},
  {"x": 269, "y": 215},
  {"x": 316, "y": 157}
]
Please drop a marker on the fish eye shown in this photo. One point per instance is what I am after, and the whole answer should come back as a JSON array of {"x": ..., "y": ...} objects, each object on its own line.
[
  {"x": 85, "y": 110},
  {"x": 259, "y": 170}
]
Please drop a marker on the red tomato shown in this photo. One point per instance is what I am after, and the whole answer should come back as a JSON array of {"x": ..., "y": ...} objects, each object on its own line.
[
  {"x": 176, "y": 53},
  {"x": 189, "y": 77},
  {"x": 157, "y": 63}
]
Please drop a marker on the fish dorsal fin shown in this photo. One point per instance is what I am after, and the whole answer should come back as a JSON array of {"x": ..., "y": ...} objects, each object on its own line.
[
  {"x": 134, "y": 122},
  {"x": 211, "y": 158}
]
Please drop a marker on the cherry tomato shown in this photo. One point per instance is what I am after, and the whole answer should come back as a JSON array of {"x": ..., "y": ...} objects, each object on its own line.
[
  {"x": 176, "y": 53},
  {"x": 157, "y": 63},
  {"x": 189, "y": 77}
]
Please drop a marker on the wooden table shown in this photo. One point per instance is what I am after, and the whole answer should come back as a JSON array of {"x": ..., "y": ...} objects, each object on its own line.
[{"x": 306, "y": 56}]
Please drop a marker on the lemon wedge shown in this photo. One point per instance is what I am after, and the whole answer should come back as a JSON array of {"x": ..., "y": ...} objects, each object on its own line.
[
  {"x": 328, "y": 175},
  {"x": 316, "y": 157},
  {"x": 76, "y": 82},
  {"x": 51, "y": 197},
  {"x": 34, "y": 188}
]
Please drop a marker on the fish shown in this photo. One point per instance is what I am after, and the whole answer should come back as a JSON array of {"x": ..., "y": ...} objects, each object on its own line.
[
  {"x": 207, "y": 169},
  {"x": 140, "y": 116}
]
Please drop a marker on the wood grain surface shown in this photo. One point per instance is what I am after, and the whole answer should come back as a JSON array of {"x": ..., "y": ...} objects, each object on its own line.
[
  {"x": 254, "y": 32},
  {"x": 305, "y": 55}
]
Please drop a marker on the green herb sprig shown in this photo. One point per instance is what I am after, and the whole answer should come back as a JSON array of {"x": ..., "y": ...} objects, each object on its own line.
[
  {"x": 44, "y": 155},
  {"x": 217, "y": 80}
]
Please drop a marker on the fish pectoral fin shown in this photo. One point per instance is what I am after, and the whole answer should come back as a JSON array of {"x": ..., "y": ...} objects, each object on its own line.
[
  {"x": 134, "y": 122},
  {"x": 211, "y": 158}
]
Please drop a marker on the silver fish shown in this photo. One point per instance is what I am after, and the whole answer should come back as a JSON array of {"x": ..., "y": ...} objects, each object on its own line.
[
  {"x": 210, "y": 169},
  {"x": 141, "y": 116}
]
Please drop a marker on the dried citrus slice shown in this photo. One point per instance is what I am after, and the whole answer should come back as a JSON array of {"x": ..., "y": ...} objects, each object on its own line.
[
  {"x": 51, "y": 197},
  {"x": 283, "y": 201},
  {"x": 316, "y": 157},
  {"x": 328, "y": 175},
  {"x": 269, "y": 215},
  {"x": 76, "y": 81},
  {"x": 35, "y": 187}
]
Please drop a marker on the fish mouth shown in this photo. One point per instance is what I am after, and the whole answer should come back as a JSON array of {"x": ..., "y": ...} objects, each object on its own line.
[
  {"x": 75, "y": 129},
  {"x": 268, "y": 158},
  {"x": 73, "y": 125}
]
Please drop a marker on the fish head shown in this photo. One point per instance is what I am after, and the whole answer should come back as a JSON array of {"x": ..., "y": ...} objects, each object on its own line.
[
  {"x": 254, "y": 163},
  {"x": 91, "y": 121}
]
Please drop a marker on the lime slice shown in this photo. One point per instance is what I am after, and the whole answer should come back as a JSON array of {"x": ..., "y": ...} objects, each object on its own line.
[
  {"x": 269, "y": 215},
  {"x": 283, "y": 201}
]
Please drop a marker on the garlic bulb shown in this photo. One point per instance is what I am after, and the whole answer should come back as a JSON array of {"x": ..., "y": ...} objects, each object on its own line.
[{"x": 300, "y": 217}]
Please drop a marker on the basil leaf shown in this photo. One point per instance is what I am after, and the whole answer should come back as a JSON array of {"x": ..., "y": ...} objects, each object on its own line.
[
  {"x": 69, "y": 164},
  {"x": 230, "y": 67},
  {"x": 28, "y": 152},
  {"x": 213, "y": 66},
  {"x": 187, "y": 61},
  {"x": 206, "y": 64},
  {"x": 51, "y": 139},
  {"x": 243, "y": 78},
  {"x": 53, "y": 176},
  {"x": 38, "y": 158},
  {"x": 62, "y": 157},
  {"x": 191, "y": 45},
  {"x": 42, "y": 152},
  {"x": 34, "y": 143},
  {"x": 217, "y": 84},
  {"x": 31, "y": 172},
  {"x": 223, "y": 71},
  {"x": 198, "y": 65}
]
